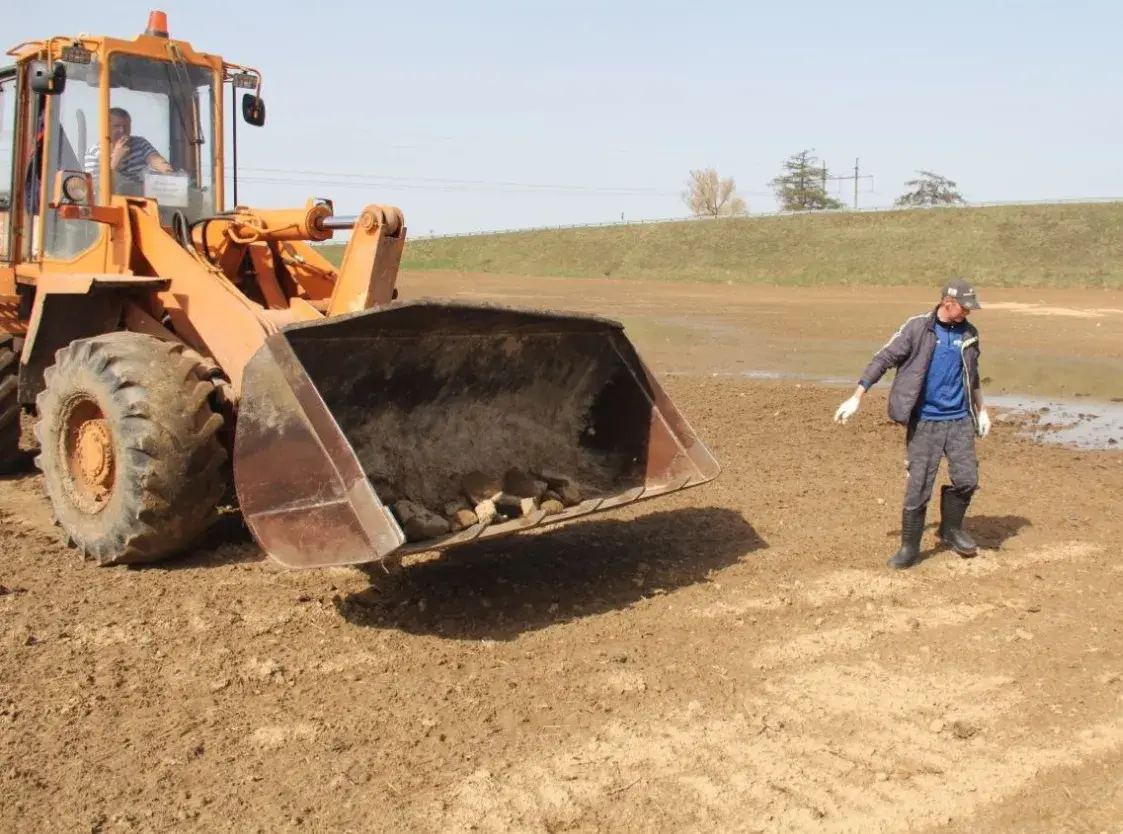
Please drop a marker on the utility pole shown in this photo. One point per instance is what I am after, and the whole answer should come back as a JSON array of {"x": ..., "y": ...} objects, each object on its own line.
[
  {"x": 802, "y": 174},
  {"x": 855, "y": 176}
]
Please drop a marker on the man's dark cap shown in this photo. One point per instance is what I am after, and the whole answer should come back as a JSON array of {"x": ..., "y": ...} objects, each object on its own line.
[{"x": 962, "y": 291}]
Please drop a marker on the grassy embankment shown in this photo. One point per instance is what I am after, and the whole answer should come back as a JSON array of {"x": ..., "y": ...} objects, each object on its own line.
[{"x": 1073, "y": 245}]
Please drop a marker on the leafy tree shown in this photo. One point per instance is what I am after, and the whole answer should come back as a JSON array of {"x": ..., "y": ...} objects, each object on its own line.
[
  {"x": 930, "y": 190},
  {"x": 803, "y": 185},
  {"x": 708, "y": 196}
]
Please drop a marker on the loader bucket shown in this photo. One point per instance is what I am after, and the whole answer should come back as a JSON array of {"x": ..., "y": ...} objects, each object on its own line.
[{"x": 342, "y": 418}]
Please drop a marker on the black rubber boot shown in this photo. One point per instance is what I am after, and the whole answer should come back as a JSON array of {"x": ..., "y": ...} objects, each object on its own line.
[
  {"x": 912, "y": 529},
  {"x": 953, "y": 507}
]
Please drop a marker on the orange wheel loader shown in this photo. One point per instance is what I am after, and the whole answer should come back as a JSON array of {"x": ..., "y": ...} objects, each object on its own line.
[{"x": 167, "y": 346}]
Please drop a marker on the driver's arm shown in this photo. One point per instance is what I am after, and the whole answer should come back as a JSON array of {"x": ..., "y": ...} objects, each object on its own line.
[
  {"x": 153, "y": 158},
  {"x": 158, "y": 163}
]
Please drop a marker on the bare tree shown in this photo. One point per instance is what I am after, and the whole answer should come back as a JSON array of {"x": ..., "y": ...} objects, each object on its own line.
[
  {"x": 708, "y": 196},
  {"x": 930, "y": 190}
]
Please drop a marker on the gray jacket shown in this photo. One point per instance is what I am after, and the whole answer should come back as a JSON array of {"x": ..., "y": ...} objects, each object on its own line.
[{"x": 910, "y": 351}]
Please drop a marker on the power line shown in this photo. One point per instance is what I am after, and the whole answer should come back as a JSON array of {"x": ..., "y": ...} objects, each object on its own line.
[
  {"x": 388, "y": 179},
  {"x": 855, "y": 176},
  {"x": 444, "y": 187},
  {"x": 336, "y": 179}
]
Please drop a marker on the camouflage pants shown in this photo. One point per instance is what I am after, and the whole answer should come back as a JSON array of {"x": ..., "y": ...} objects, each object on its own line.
[{"x": 928, "y": 442}]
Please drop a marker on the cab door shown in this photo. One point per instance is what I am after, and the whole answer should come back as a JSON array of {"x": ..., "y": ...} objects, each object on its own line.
[{"x": 8, "y": 133}]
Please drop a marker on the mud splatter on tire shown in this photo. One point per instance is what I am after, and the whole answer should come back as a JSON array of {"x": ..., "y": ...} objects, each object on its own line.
[{"x": 129, "y": 448}]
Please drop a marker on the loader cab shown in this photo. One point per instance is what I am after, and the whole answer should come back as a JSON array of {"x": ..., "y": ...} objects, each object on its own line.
[
  {"x": 65, "y": 106},
  {"x": 158, "y": 125}
]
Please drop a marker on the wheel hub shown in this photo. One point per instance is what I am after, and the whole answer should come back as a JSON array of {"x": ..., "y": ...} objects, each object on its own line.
[
  {"x": 95, "y": 456},
  {"x": 88, "y": 451}
]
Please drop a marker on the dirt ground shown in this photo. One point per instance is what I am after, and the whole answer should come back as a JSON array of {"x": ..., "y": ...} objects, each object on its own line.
[
  {"x": 1041, "y": 342},
  {"x": 732, "y": 658}
]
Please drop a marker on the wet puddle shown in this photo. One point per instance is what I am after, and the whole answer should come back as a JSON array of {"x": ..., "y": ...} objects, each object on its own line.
[
  {"x": 795, "y": 376},
  {"x": 1080, "y": 425},
  {"x": 765, "y": 350},
  {"x": 1066, "y": 400}
]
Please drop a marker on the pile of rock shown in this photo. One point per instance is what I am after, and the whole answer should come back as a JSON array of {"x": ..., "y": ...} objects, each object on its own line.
[{"x": 488, "y": 499}]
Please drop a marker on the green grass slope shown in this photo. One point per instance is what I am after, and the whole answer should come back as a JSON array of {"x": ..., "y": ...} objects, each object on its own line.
[{"x": 1070, "y": 245}]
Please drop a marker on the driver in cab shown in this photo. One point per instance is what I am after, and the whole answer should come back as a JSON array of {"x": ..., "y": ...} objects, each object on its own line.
[{"x": 128, "y": 155}]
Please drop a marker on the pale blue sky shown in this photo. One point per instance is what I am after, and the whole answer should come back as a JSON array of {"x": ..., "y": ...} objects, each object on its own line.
[{"x": 435, "y": 106}]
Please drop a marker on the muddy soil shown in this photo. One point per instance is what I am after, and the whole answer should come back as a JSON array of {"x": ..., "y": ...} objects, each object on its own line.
[
  {"x": 734, "y": 658},
  {"x": 1037, "y": 342}
]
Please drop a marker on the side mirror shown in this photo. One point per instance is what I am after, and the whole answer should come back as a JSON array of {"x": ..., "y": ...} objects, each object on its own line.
[
  {"x": 253, "y": 109},
  {"x": 48, "y": 83}
]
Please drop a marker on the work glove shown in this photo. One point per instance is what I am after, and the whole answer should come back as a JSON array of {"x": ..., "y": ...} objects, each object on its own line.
[
  {"x": 847, "y": 410},
  {"x": 984, "y": 423}
]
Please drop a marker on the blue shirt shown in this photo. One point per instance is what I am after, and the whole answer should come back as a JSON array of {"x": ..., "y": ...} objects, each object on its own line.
[{"x": 944, "y": 395}]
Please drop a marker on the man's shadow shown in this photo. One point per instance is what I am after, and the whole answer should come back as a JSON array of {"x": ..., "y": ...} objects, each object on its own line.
[
  {"x": 993, "y": 531},
  {"x": 499, "y": 590}
]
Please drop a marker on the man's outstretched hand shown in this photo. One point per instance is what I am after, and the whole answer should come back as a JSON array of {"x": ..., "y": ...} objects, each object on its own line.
[
  {"x": 984, "y": 423},
  {"x": 848, "y": 409}
]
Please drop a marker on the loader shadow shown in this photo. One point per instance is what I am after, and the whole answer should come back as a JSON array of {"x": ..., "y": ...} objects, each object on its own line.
[
  {"x": 515, "y": 585},
  {"x": 21, "y": 467},
  {"x": 228, "y": 541},
  {"x": 990, "y": 532}
]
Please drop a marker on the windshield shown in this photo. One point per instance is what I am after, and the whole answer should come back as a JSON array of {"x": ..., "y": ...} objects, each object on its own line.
[{"x": 161, "y": 134}]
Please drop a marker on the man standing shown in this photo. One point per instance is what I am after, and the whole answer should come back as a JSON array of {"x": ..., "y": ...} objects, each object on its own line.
[{"x": 937, "y": 395}]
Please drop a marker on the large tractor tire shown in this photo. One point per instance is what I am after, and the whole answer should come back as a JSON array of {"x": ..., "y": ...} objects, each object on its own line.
[
  {"x": 129, "y": 447},
  {"x": 12, "y": 458}
]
